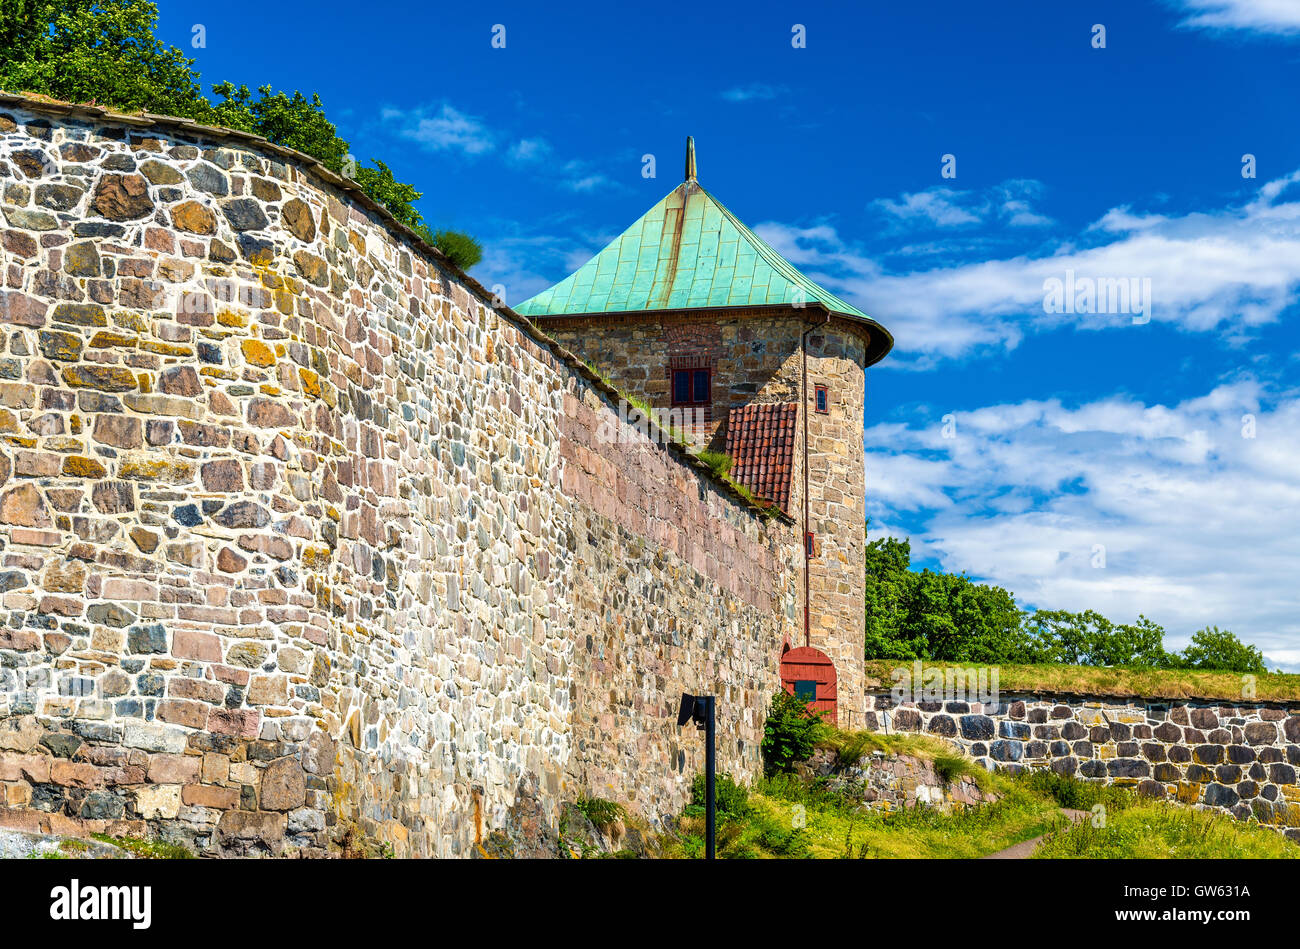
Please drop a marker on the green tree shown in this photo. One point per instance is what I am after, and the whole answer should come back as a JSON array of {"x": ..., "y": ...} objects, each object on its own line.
[
  {"x": 101, "y": 50},
  {"x": 293, "y": 121},
  {"x": 933, "y": 615},
  {"x": 105, "y": 51},
  {"x": 1090, "y": 639},
  {"x": 889, "y": 590},
  {"x": 1214, "y": 648}
]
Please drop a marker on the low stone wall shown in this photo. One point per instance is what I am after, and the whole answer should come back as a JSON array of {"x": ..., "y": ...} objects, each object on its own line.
[{"x": 1239, "y": 758}]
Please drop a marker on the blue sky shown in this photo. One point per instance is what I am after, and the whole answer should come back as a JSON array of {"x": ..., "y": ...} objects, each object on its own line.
[{"x": 1125, "y": 462}]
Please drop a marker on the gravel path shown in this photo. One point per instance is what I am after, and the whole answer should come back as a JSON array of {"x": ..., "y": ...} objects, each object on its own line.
[{"x": 1025, "y": 849}]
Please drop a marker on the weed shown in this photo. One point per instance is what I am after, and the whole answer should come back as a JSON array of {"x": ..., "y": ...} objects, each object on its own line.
[
  {"x": 600, "y": 812},
  {"x": 146, "y": 849}
]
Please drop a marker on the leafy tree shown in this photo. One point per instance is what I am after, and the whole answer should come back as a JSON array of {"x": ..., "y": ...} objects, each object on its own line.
[
  {"x": 391, "y": 193},
  {"x": 105, "y": 51},
  {"x": 932, "y": 615},
  {"x": 1214, "y": 648},
  {"x": 790, "y": 733},
  {"x": 1090, "y": 639},
  {"x": 889, "y": 587},
  {"x": 101, "y": 50},
  {"x": 292, "y": 121}
]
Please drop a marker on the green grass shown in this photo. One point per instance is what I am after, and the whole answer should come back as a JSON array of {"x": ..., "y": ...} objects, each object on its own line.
[
  {"x": 719, "y": 462},
  {"x": 789, "y": 816},
  {"x": 599, "y": 811},
  {"x": 838, "y": 830},
  {"x": 1100, "y": 680},
  {"x": 146, "y": 849},
  {"x": 1160, "y": 830}
]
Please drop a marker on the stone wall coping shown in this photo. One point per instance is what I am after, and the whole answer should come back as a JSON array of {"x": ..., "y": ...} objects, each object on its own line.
[{"x": 144, "y": 120}]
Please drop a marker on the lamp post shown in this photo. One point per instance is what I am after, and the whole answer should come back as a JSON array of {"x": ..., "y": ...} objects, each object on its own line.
[{"x": 699, "y": 708}]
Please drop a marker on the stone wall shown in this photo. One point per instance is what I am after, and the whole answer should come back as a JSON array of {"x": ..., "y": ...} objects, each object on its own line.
[
  {"x": 885, "y": 782},
  {"x": 306, "y": 546},
  {"x": 1239, "y": 758}
]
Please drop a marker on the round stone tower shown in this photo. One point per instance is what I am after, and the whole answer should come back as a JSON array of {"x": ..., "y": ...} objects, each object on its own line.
[{"x": 692, "y": 312}]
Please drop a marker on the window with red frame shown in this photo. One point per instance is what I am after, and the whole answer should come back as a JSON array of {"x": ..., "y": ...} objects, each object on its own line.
[
  {"x": 692, "y": 386},
  {"x": 823, "y": 400}
]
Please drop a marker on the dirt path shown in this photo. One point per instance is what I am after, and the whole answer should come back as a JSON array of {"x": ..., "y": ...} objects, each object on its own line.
[{"x": 1025, "y": 849}]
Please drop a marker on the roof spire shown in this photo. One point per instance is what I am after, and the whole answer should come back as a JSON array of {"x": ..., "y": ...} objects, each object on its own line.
[{"x": 690, "y": 158}]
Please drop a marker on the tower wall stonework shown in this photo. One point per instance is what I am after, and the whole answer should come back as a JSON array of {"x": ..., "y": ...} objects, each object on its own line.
[
  {"x": 757, "y": 357},
  {"x": 837, "y": 511},
  {"x": 305, "y": 546}
]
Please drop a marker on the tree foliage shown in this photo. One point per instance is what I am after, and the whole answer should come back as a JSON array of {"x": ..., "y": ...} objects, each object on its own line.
[
  {"x": 1214, "y": 648},
  {"x": 95, "y": 50},
  {"x": 105, "y": 52},
  {"x": 931, "y": 615}
]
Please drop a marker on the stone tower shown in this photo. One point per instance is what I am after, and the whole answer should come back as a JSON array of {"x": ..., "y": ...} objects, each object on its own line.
[{"x": 690, "y": 309}]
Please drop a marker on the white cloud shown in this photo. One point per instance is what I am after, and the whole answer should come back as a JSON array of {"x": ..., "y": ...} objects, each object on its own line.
[
  {"x": 1228, "y": 270},
  {"x": 937, "y": 206},
  {"x": 1009, "y": 202},
  {"x": 1198, "y": 522},
  {"x": 589, "y": 182},
  {"x": 445, "y": 129},
  {"x": 503, "y": 264},
  {"x": 753, "y": 91},
  {"x": 528, "y": 150},
  {"x": 1263, "y": 16}
]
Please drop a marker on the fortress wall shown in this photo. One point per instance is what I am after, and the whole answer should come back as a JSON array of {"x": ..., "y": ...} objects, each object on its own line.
[{"x": 305, "y": 546}]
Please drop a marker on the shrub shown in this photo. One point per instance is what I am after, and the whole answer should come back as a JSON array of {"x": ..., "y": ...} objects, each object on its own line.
[
  {"x": 732, "y": 798},
  {"x": 790, "y": 733},
  {"x": 1075, "y": 794},
  {"x": 949, "y": 768},
  {"x": 461, "y": 249}
]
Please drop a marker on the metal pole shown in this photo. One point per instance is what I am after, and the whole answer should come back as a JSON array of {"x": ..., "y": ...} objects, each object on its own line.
[{"x": 709, "y": 768}]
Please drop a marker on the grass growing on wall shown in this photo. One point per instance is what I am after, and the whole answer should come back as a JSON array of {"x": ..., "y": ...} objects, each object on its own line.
[{"x": 1105, "y": 680}]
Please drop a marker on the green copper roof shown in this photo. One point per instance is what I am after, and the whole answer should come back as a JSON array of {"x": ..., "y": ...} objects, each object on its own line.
[{"x": 687, "y": 251}]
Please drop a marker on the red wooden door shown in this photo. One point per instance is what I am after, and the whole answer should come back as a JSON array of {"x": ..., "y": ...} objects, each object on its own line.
[{"x": 810, "y": 671}]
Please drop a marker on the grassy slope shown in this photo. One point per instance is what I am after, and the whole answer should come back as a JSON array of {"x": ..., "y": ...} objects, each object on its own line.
[
  {"x": 834, "y": 832},
  {"x": 1030, "y": 806},
  {"x": 1161, "y": 830},
  {"x": 1145, "y": 683}
]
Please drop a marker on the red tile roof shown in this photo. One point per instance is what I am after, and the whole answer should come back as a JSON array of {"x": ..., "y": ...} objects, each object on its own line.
[{"x": 760, "y": 441}]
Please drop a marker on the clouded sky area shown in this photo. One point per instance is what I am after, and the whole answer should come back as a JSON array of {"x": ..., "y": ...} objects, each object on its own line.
[{"x": 1139, "y": 457}]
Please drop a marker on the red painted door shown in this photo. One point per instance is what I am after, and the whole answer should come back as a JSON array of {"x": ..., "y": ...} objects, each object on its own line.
[{"x": 809, "y": 673}]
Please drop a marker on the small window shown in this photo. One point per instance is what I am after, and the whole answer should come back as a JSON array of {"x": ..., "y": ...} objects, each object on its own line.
[
  {"x": 805, "y": 690},
  {"x": 692, "y": 386},
  {"x": 810, "y": 544},
  {"x": 823, "y": 400}
]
